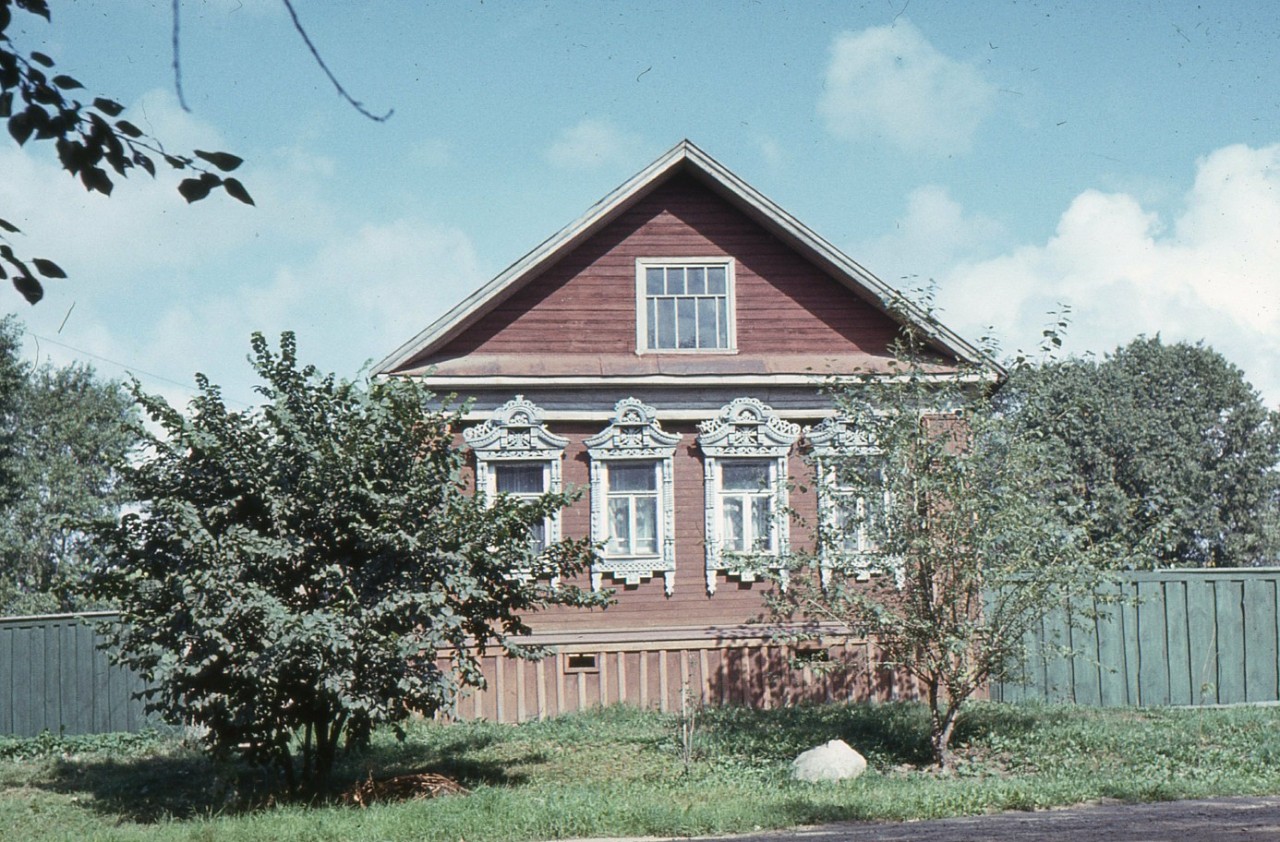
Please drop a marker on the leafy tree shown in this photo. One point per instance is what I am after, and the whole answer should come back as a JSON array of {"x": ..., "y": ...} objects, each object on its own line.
[
  {"x": 316, "y": 566},
  {"x": 63, "y": 433},
  {"x": 965, "y": 543},
  {"x": 93, "y": 142},
  {"x": 1175, "y": 454}
]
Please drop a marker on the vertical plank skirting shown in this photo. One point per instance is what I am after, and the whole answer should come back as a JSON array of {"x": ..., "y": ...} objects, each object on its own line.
[
  {"x": 704, "y": 693},
  {"x": 540, "y": 675},
  {"x": 521, "y": 712},
  {"x": 644, "y": 679},
  {"x": 664, "y": 686}
]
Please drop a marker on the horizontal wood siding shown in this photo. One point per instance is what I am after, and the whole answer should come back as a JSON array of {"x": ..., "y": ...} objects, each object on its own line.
[
  {"x": 646, "y": 605},
  {"x": 664, "y": 676},
  {"x": 586, "y": 302}
]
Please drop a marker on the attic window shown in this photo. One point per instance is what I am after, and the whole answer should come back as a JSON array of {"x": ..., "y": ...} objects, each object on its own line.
[{"x": 684, "y": 305}]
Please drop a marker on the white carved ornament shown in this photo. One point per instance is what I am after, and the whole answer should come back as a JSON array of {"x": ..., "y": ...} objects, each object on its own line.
[
  {"x": 634, "y": 434},
  {"x": 832, "y": 440},
  {"x": 516, "y": 433},
  {"x": 744, "y": 428}
]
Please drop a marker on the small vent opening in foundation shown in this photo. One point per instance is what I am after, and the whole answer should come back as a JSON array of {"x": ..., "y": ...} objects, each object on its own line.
[{"x": 582, "y": 663}]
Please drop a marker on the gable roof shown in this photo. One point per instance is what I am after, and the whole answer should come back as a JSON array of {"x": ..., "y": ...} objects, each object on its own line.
[{"x": 687, "y": 158}]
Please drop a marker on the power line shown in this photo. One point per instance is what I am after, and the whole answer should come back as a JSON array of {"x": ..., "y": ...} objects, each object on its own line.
[{"x": 131, "y": 370}]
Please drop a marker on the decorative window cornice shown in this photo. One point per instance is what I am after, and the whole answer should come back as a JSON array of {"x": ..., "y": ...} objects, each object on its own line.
[
  {"x": 745, "y": 429},
  {"x": 838, "y": 436},
  {"x": 635, "y": 435},
  {"x": 515, "y": 431}
]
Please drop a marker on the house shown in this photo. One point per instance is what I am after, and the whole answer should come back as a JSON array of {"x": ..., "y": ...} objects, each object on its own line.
[{"x": 665, "y": 353}]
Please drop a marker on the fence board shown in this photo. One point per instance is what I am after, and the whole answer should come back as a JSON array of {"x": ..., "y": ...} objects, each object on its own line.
[{"x": 1260, "y": 640}]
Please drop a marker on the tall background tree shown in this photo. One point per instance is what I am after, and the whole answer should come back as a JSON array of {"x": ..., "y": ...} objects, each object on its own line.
[
  {"x": 304, "y": 571},
  {"x": 63, "y": 435},
  {"x": 1174, "y": 453}
]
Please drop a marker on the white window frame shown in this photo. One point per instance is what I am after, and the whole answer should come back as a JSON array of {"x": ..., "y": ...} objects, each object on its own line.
[
  {"x": 515, "y": 433},
  {"x": 633, "y": 436},
  {"x": 745, "y": 430},
  {"x": 642, "y": 310},
  {"x": 833, "y": 441}
]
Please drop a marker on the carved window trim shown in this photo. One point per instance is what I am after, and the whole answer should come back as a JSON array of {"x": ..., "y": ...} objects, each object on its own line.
[
  {"x": 634, "y": 435},
  {"x": 745, "y": 430},
  {"x": 515, "y": 432},
  {"x": 833, "y": 440}
]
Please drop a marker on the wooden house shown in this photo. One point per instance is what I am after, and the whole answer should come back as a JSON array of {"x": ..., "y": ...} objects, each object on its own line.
[{"x": 665, "y": 353}]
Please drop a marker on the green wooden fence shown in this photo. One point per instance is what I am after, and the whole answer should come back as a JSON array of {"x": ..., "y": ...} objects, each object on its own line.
[
  {"x": 1176, "y": 637},
  {"x": 54, "y": 676}
]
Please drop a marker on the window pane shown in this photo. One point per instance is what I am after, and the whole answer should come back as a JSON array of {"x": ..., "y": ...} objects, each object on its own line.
[
  {"x": 519, "y": 478},
  {"x": 716, "y": 280},
  {"x": 675, "y": 280},
  {"x": 653, "y": 281},
  {"x": 707, "y": 332},
  {"x": 640, "y": 477},
  {"x": 745, "y": 476},
  {"x": 687, "y": 323},
  {"x": 619, "y": 526},
  {"x": 733, "y": 524},
  {"x": 697, "y": 280},
  {"x": 538, "y": 536},
  {"x": 646, "y": 536},
  {"x": 722, "y": 309},
  {"x": 666, "y": 323},
  {"x": 651, "y": 305},
  {"x": 762, "y": 523}
]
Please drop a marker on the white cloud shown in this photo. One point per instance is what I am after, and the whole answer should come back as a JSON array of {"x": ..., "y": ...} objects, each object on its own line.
[
  {"x": 1212, "y": 275},
  {"x": 592, "y": 144},
  {"x": 890, "y": 82},
  {"x": 933, "y": 235}
]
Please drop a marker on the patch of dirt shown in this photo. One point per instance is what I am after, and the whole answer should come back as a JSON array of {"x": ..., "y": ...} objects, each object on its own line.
[{"x": 401, "y": 788}]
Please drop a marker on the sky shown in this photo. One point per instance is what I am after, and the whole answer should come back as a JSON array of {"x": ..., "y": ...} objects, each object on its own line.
[{"x": 1121, "y": 159}]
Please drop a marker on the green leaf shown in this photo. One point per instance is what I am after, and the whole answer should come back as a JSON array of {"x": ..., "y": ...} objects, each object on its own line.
[
  {"x": 28, "y": 287},
  {"x": 41, "y": 58},
  {"x": 10, "y": 227},
  {"x": 236, "y": 190},
  {"x": 108, "y": 106},
  {"x": 195, "y": 189},
  {"x": 48, "y": 268},
  {"x": 21, "y": 127},
  {"x": 96, "y": 178},
  {"x": 67, "y": 83},
  {"x": 128, "y": 129},
  {"x": 224, "y": 161}
]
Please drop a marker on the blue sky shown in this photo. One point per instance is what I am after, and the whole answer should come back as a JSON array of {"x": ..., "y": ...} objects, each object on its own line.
[{"x": 1120, "y": 157}]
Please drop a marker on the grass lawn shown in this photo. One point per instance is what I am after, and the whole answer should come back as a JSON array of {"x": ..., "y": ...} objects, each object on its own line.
[{"x": 620, "y": 772}]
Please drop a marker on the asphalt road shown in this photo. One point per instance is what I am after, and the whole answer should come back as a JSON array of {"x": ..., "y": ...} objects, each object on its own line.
[{"x": 1212, "y": 820}]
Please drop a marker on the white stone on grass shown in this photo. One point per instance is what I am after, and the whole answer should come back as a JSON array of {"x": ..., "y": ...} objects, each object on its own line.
[{"x": 835, "y": 761}]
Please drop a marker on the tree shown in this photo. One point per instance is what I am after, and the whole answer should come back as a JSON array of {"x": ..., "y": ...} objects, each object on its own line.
[
  {"x": 90, "y": 138},
  {"x": 62, "y": 434},
  {"x": 1174, "y": 451},
  {"x": 944, "y": 536},
  {"x": 316, "y": 567}
]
